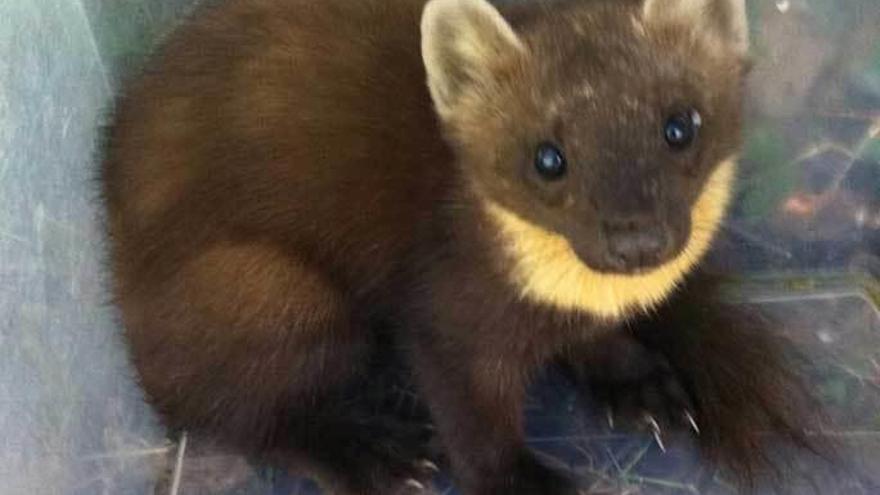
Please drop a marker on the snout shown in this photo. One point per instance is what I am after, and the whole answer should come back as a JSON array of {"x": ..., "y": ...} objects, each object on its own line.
[{"x": 635, "y": 244}]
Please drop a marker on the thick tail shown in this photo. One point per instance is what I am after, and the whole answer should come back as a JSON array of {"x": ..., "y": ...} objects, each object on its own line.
[{"x": 753, "y": 405}]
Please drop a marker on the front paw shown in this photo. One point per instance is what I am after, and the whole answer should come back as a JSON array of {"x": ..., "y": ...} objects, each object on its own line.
[
  {"x": 634, "y": 385},
  {"x": 384, "y": 456},
  {"x": 657, "y": 401},
  {"x": 524, "y": 476}
]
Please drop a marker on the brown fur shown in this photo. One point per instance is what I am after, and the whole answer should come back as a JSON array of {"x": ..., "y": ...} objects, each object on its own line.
[{"x": 283, "y": 206}]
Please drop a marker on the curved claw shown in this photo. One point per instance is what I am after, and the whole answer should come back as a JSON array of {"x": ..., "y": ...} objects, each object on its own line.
[
  {"x": 655, "y": 426},
  {"x": 428, "y": 466},
  {"x": 609, "y": 415},
  {"x": 691, "y": 421},
  {"x": 655, "y": 429},
  {"x": 415, "y": 484}
]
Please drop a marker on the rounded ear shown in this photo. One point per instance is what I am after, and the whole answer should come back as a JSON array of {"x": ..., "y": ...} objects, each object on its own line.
[
  {"x": 463, "y": 43},
  {"x": 724, "y": 20}
]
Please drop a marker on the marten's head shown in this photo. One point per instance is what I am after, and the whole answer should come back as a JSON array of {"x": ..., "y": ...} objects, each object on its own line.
[{"x": 600, "y": 137}]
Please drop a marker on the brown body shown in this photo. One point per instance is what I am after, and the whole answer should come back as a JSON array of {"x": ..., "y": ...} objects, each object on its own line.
[{"x": 283, "y": 205}]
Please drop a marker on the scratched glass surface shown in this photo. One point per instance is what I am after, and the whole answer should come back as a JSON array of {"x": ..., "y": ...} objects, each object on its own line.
[{"x": 805, "y": 236}]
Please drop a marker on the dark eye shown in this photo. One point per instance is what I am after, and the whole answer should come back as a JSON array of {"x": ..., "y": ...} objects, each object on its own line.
[
  {"x": 549, "y": 161},
  {"x": 680, "y": 129}
]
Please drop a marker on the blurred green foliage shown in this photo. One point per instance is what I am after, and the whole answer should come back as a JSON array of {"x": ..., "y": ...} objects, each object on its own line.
[
  {"x": 840, "y": 16},
  {"x": 771, "y": 167},
  {"x": 872, "y": 151},
  {"x": 772, "y": 176}
]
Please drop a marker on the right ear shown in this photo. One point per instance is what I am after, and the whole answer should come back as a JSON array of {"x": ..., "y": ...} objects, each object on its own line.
[
  {"x": 725, "y": 20},
  {"x": 463, "y": 44}
]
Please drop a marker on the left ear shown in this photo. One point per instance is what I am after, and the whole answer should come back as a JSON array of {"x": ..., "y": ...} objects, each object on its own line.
[{"x": 724, "y": 20}]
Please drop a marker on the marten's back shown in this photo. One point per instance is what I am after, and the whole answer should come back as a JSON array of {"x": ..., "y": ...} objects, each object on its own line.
[{"x": 302, "y": 123}]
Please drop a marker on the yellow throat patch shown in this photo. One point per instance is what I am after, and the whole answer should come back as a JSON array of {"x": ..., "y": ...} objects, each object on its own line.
[{"x": 547, "y": 270}]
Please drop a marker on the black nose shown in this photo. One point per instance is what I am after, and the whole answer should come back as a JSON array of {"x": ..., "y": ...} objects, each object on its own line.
[{"x": 636, "y": 243}]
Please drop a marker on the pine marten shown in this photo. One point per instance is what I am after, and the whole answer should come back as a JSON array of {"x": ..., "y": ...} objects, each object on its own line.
[{"x": 300, "y": 190}]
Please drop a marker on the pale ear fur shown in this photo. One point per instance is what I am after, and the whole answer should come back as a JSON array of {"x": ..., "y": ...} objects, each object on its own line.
[
  {"x": 724, "y": 20},
  {"x": 463, "y": 41}
]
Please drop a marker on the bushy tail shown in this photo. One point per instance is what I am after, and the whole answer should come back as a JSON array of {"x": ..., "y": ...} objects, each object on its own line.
[{"x": 753, "y": 405}]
